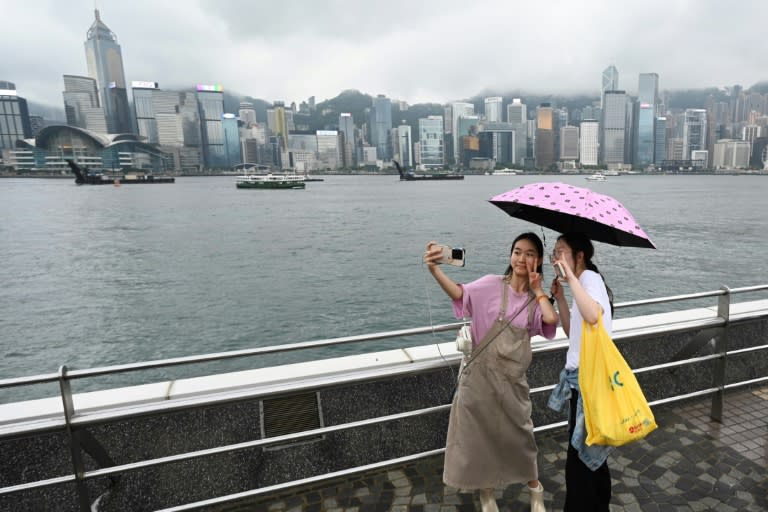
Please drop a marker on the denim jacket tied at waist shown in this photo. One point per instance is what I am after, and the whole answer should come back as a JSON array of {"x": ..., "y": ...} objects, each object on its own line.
[{"x": 593, "y": 456}]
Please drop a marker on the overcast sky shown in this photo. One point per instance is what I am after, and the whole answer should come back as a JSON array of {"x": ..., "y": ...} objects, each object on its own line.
[{"x": 413, "y": 50}]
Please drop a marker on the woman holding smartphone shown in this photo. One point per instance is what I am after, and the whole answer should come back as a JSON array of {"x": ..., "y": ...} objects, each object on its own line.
[
  {"x": 490, "y": 441},
  {"x": 587, "y": 477}
]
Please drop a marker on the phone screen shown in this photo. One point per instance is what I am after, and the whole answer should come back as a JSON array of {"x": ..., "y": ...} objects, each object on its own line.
[{"x": 457, "y": 254}]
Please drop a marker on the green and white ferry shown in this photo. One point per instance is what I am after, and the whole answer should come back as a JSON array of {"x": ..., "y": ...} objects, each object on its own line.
[{"x": 271, "y": 181}]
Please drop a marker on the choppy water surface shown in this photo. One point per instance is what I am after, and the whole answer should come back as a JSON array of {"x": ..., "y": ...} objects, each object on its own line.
[{"x": 95, "y": 276}]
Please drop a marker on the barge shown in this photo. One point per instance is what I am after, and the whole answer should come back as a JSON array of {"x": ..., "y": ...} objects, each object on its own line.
[{"x": 83, "y": 177}]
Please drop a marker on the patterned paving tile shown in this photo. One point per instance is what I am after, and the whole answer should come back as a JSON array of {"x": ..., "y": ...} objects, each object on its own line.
[{"x": 690, "y": 463}]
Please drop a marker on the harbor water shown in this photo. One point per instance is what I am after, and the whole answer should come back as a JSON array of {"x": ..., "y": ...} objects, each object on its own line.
[{"x": 97, "y": 276}]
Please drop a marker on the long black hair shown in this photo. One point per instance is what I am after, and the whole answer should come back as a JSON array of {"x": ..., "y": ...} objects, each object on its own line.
[
  {"x": 578, "y": 242},
  {"x": 535, "y": 240}
]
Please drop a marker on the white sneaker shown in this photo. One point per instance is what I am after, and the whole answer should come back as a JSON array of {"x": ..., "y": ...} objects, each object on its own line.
[
  {"x": 537, "y": 498},
  {"x": 488, "y": 501}
]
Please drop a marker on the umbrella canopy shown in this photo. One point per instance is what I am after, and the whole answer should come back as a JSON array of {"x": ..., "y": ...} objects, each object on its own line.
[{"x": 565, "y": 208}]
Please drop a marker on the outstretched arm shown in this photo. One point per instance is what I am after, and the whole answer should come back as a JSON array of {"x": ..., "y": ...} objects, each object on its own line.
[{"x": 432, "y": 257}]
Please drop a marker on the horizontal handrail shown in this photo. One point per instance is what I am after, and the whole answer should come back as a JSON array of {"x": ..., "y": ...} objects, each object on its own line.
[
  {"x": 81, "y": 476},
  {"x": 690, "y": 296},
  {"x": 124, "y": 468},
  {"x": 220, "y": 356}
]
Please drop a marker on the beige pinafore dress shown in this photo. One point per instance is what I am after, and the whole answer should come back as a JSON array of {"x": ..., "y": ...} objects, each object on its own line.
[{"x": 490, "y": 440}]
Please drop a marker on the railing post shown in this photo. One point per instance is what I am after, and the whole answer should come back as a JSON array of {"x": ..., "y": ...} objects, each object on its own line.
[
  {"x": 721, "y": 347},
  {"x": 74, "y": 445}
]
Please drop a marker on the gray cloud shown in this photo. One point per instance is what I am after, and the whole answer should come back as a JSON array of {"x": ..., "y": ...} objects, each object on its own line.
[{"x": 416, "y": 51}]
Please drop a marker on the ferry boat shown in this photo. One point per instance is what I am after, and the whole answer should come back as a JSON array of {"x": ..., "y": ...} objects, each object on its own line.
[
  {"x": 285, "y": 181},
  {"x": 596, "y": 177},
  {"x": 504, "y": 172}
]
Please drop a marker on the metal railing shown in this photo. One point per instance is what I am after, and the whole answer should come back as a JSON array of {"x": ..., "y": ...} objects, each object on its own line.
[{"x": 71, "y": 424}]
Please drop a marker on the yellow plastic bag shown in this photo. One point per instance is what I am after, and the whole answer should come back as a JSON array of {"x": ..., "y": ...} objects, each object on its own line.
[{"x": 615, "y": 409}]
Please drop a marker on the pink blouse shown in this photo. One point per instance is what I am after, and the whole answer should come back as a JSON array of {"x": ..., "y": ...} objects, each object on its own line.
[{"x": 481, "y": 301}]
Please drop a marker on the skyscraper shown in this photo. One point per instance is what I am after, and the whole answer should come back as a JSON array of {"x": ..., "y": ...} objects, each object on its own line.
[
  {"x": 517, "y": 116},
  {"x": 210, "y": 101},
  {"x": 589, "y": 146},
  {"x": 493, "y": 109},
  {"x": 105, "y": 65},
  {"x": 247, "y": 113},
  {"x": 14, "y": 117},
  {"x": 660, "y": 141},
  {"x": 144, "y": 111},
  {"x": 458, "y": 110},
  {"x": 431, "y": 147},
  {"x": 404, "y": 145},
  {"x": 569, "y": 143},
  {"x": 380, "y": 126},
  {"x": 694, "y": 131},
  {"x": 347, "y": 133},
  {"x": 610, "y": 82},
  {"x": 647, "y": 98},
  {"x": 545, "y": 136},
  {"x": 231, "y": 140},
  {"x": 328, "y": 149},
  {"x": 81, "y": 104},
  {"x": 614, "y": 127}
]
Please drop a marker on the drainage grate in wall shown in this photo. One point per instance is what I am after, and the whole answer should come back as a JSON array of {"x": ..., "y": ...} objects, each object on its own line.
[{"x": 289, "y": 415}]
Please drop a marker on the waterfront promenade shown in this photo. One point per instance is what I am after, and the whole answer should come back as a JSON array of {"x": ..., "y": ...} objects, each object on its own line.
[{"x": 690, "y": 463}]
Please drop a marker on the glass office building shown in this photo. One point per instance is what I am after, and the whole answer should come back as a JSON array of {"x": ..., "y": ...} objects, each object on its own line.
[
  {"x": 614, "y": 127},
  {"x": 14, "y": 117},
  {"x": 648, "y": 98},
  {"x": 81, "y": 104},
  {"x": 694, "y": 131},
  {"x": 380, "y": 126},
  {"x": 431, "y": 145},
  {"x": 517, "y": 116},
  {"x": 144, "y": 109},
  {"x": 660, "y": 141},
  {"x": 231, "y": 140},
  {"x": 210, "y": 102}
]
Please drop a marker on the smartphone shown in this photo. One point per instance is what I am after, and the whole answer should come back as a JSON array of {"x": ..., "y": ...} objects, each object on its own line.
[
  {"x": 559, "y": 271},
  {"x": 452, "y": 256}
]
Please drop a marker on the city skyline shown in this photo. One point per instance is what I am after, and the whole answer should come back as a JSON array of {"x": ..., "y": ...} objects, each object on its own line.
[{"x": 266, "y": 51}]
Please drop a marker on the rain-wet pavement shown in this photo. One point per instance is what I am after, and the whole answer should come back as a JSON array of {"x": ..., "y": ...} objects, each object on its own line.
[{"x": 690, "y": 463}]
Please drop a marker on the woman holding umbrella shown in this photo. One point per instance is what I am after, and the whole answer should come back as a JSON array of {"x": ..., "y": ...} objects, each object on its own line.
[
  {"x": 490, "y": 441},
  {"x": 587, "y": 478}
]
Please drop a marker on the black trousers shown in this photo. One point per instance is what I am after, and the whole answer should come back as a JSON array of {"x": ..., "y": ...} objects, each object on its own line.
[{"x": 585, "y": 490}]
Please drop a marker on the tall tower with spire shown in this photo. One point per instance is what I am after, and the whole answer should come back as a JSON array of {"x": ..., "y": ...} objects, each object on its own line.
[
  {"x": 105, "y": 65},
  {"x": 610, "y": 82}
]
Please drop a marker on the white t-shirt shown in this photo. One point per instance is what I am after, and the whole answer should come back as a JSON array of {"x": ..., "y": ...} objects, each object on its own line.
[{"x": 595, "y": 287}]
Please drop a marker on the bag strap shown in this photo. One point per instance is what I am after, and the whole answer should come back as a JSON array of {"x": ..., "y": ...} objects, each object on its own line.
[{"x": 501, "y": 318}]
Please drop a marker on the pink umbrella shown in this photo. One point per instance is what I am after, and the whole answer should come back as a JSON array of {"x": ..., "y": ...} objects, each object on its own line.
[{"x": 565, "y": 208}]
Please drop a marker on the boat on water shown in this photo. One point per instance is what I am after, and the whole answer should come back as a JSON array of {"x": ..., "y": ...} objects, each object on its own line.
[
  {"x": 504, "y": 172},
  {"x": 412, "y": 176},
  {"x": 83, "y": 177},
  {"x": 596, "y": 177},
  {"x": 276, "y": 181}
]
